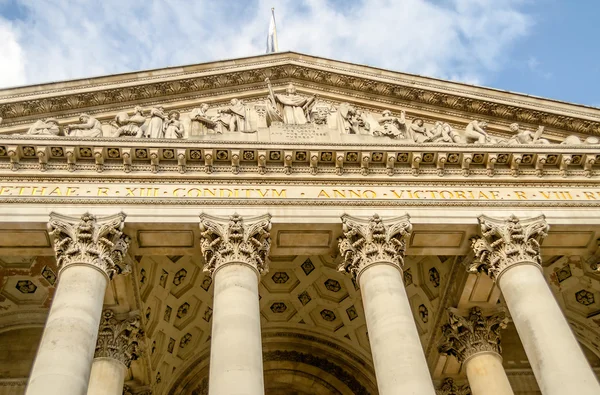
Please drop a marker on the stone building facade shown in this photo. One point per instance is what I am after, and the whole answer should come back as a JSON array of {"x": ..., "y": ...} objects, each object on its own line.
[{"x": 286, "y": 224}]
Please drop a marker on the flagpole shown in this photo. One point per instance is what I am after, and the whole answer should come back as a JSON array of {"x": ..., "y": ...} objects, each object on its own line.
[{"x": 275, "y": 30}]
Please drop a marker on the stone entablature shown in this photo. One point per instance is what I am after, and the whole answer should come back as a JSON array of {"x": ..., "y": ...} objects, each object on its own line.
[{"x": 348, "y": 155}]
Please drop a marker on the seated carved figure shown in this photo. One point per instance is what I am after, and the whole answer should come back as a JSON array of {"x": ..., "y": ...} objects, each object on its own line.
[
  {"x": 391, "y": 126},
  {"x": 44, "y": 127},
  {"x": 474, "y": 133},
  {"x": 419, "y": 132},
  {"x": 442, "y": 133},
  {"x": 526, "y": 136},
  {"x": 89, "y": 127},
  {"x": 130, "y": 126}
]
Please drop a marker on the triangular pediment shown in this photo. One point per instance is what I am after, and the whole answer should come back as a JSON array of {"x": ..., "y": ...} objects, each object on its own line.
[{"x": 338, "y": 86}]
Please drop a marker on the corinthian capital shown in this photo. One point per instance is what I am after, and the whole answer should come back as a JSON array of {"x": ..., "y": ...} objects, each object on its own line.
[
  {"x": 232, "y": 240},
  {"x": 368, "y": 242},
  {"x": 504, "y": 243},
  {"x": 467, "y": 336},
  {"x": 99, "y": 242},
  {"x": 118, "y": 339},
  {"x": 448, "y": 387}
]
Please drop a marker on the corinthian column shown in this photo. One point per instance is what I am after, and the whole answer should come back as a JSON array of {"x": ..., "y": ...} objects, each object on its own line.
[
  {"x": 509, "y": 251},
  {"x": 475, "y": 342},
  {"x": 235, "y": 255},
  {"x": 448, "y": 387},
  {"x": 374, "y": 254},
  {"x": 89, "y": 251},
  {"x": 116, "y": 347}
]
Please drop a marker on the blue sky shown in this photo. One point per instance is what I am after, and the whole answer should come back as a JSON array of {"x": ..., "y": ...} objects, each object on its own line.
[{"x": 546, "y": 48}]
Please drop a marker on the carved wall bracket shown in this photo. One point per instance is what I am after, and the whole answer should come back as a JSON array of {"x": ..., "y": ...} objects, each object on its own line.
[
  {"x": 232, "y": 240},
  {"x": 89, "y": 240},
  {"x": 467, "y": 336},
  {"x": 119, "y": 339},
  {"x": 504, "y": 243},
  {"x": 368, "y": 242}
]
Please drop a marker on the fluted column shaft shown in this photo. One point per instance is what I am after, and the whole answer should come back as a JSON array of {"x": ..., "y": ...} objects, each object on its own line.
[
  {"x": 88, "y": 253},
  {"x": 235, "y": 255},
  {"x": 509, "y": 252},
  {"x": 374, "y": 253}
]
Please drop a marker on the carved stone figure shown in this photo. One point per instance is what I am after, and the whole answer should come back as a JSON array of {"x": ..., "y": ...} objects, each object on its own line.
[
  {"x": 290, "y": 108},
  {"x": 235, "y": 116},
  {"x": 419, "y": 132},
  {"x": 526, "y": 136},
  {"x": 89, "y": 127},
  {"x": 234, "y": 241},
  {"x": 348, "y": 119},
  {"x": 575, "y": 140},
  {"x": 442, "y": 133},
  {"x": 319, "y": 114},
  {"x": 365, "y": 243},
  {"x": 118, "y": 339},
  {"x": 466, "y": 336},
  {"x": 391, "y": 126},
  {"x": 201, "y": 123},
  {"x": 155, "y": 129},
  {"x": 44, "y": 127},
  {"x": 173, "y": 126},
  {"x": 474, "y": 133},
  {"x": 130, "y": 126}
]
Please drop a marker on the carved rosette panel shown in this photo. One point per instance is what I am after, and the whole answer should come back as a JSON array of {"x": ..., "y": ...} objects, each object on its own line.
[
  {"x": 224, "y": 241},
  {"x": 118, "y": 339},
  {"x": 368, "y": 242},
  {"x": 464, "y": 337},
  {"x": 504, "y": 243},
  {"x": 89, "y": 240},
  {"x": 448, "y": 387}
]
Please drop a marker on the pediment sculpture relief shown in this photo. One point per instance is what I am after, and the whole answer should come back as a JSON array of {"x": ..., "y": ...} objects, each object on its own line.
[{"x": 289, "y": 115}]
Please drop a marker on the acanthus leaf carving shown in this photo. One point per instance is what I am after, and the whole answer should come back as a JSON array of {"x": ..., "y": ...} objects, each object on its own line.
[
  {"x": 88, "y": 240},
  {"x": 504, "y": 243},
  {"x": 448, "y": 387},
  {"x": 363, "y": 244},
  {"x": 464, "y": 337},
  {"x": 119, "y": 339},
  {"x": 226, "y": 241}
]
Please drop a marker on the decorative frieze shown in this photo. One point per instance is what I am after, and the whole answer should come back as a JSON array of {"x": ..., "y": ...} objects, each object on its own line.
[
  {"x": 464, "y": 337},
  {"x": 99, "y": 242},
  {"x": 448, "y": 387},
  {"x": 225, "y": 241},
  {"x": 369, "y": 242},
  {"x": 504, "y": 243},
  {"x": 516, "y": 109},
  {"x": 119, "y": 339}
]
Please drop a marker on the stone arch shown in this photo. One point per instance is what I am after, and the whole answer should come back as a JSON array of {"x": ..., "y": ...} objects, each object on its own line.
[{"x": 297, "y": 363}]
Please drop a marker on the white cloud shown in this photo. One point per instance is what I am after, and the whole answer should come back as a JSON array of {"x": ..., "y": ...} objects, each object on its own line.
[{"x": 462, "y": 40}]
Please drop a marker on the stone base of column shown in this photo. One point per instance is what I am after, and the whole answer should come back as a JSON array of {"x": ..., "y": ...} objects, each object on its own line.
[
  {"x": 107, "y": 377},
  {"x": 486, "y": 374}
]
